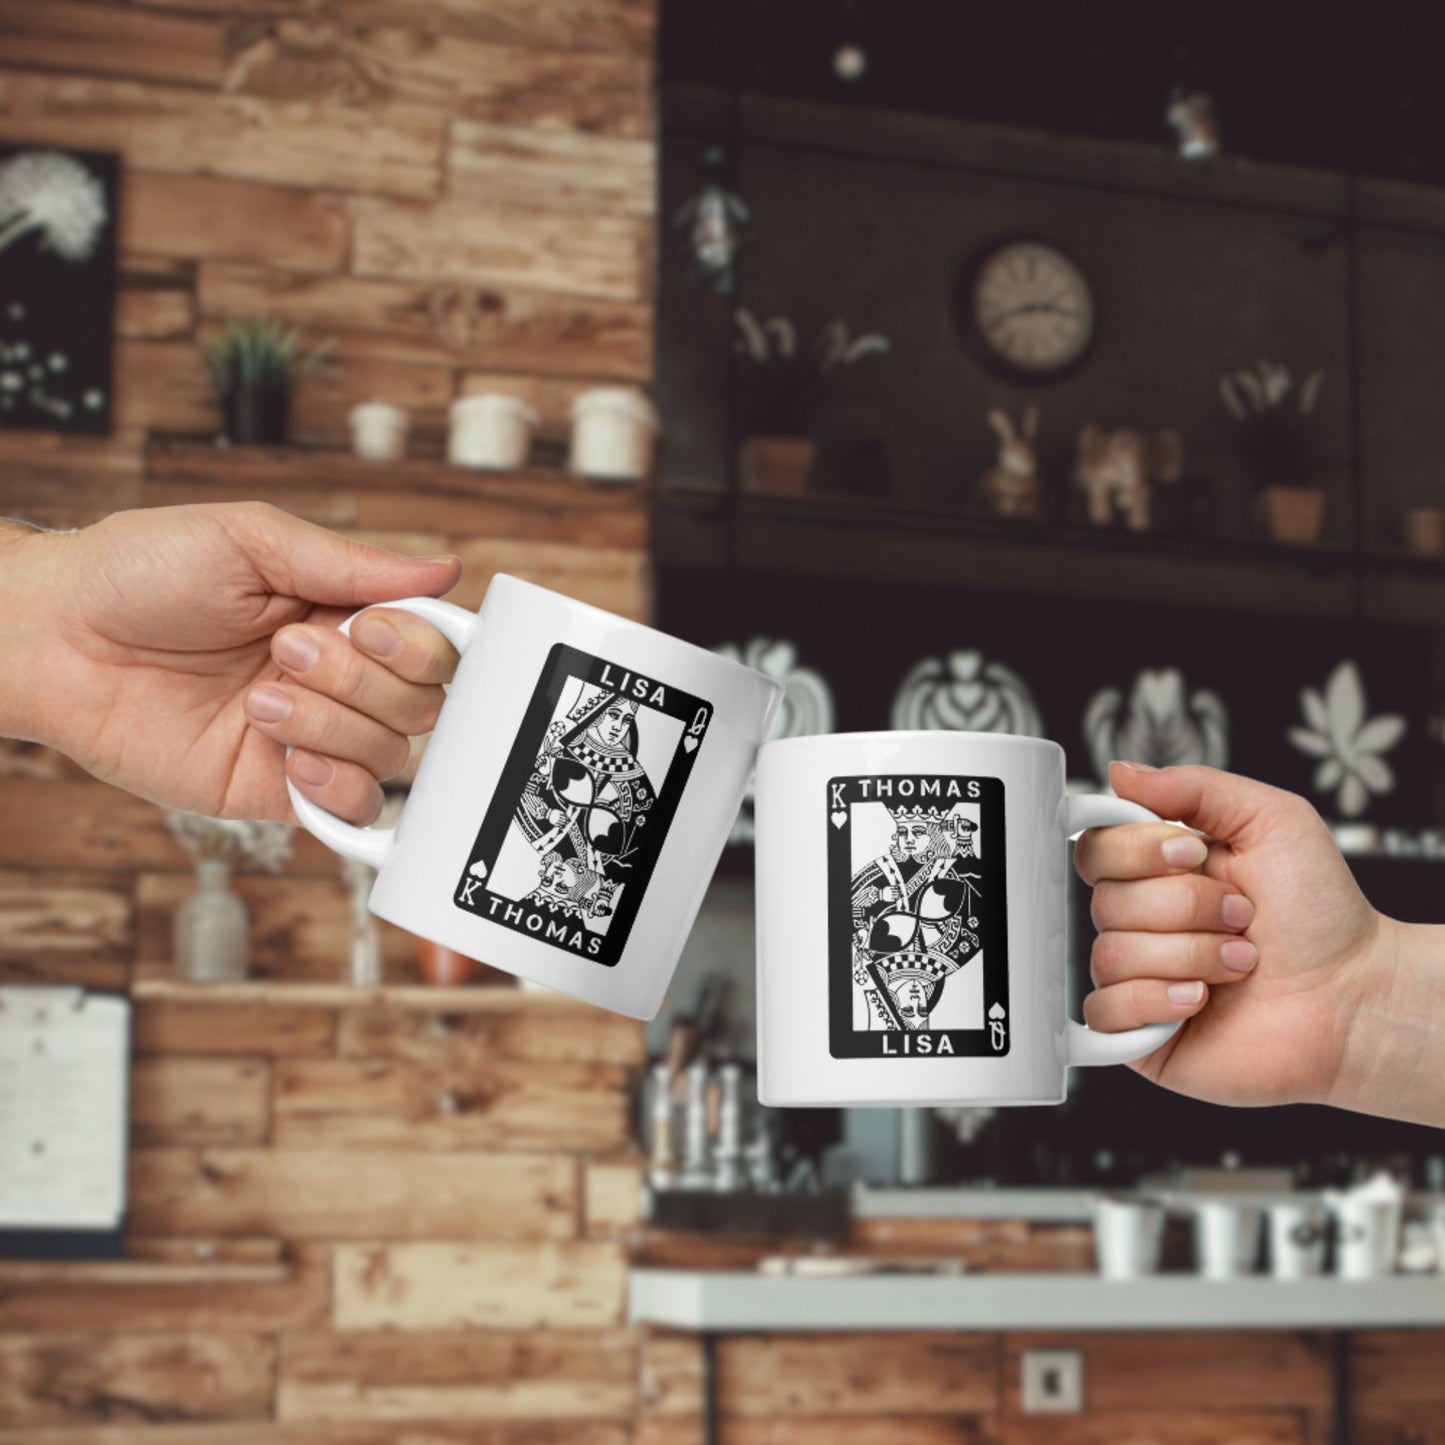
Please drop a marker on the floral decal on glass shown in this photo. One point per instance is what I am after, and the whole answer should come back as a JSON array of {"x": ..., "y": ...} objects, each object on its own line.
[
  {"x": 966, "y": 692},
  {"x": 806, "y": 709},
  {"x": 1349, "y": 744},
  {"x": 1161, "y": 723}
]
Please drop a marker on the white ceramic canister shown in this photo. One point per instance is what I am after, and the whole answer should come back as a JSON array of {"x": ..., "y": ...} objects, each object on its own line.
[
  {"x": 1128, "y": 1236},
  {"x": 1298, "y": 1233},
  {"x": 612, "y": 434},
  {"x": 1226, "y": 1238},
  {"x": 378, "y": 431},
  {"x": 490, "y": 431}
]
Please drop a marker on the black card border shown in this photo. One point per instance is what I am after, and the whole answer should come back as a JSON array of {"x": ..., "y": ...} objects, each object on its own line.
[
  {"x": 564, "y": 661},
  {"x": 844, "y": 1042}
]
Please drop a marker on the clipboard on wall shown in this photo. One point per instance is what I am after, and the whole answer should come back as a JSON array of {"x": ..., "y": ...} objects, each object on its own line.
[{"x": 64, "y": 1122}]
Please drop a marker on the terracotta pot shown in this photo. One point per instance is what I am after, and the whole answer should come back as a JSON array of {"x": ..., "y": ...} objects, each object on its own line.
[
  {"x": 1424, "y": 529},
  {"x": 446, "y": 968},
  {"x": 1291, "y": 514},
  {"x": 777, "y": 466}
]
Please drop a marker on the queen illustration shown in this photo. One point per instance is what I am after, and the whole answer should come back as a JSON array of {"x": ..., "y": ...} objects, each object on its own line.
[
  {"x": 583, "y": 805},
  {"x": 915, "y": 916}
]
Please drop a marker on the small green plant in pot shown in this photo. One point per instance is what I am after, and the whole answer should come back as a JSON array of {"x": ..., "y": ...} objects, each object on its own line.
[
  {"x": 256, "y": 365},
  {"x": 1276, "y": 435}
]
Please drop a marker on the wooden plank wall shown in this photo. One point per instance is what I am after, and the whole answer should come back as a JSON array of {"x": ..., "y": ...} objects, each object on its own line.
[{"x": 375, "y": 1226}]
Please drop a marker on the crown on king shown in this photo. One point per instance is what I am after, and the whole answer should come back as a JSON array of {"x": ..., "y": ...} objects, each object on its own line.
[{"x": 918, "y": 814}]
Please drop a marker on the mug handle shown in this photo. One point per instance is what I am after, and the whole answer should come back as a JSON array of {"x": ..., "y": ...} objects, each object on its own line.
[
  {"x": 375, "y": 846},
  {"x": 1084, "y": 1046}
]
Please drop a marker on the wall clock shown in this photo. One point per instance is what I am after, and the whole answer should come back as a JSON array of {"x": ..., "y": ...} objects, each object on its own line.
[{"x": 1025, "y": 311}]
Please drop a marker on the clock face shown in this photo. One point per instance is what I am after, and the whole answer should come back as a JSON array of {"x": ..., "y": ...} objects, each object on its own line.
[{"x": 1032, "y": 310}]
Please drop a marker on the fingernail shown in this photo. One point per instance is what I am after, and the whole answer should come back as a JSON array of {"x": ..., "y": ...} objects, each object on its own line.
[
  {"x": 268, "y": 704},
  {"x": 445, "y": 557},
  {"x": 1134, "y": 767},
  {"x": 311, "y": 769},
  {"x": 1239, "y": 954},
  {"x": 1190, "y": 992},
  {"x": 1237, "y": 910},
  {"x": 377, "y": 636},
  {"x": 295, "y": 650},
  {"x": 1184, "y": 851}
]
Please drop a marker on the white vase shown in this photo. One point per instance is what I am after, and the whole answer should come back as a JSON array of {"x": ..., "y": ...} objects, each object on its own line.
[
  {"x": 491, "y": 432},
  {"x": 612, "y": 435},
  {"x": 378, "y": 431},
  {"x": 212, "y": 928}
]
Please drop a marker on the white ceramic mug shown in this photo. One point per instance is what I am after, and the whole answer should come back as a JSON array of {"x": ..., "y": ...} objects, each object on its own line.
[
  {"x": 1226, "y": 1237},
  {"x": 1298, "y": 1233},
  {"x": 574, "y": 797},
  {"x": 1128, "y": 1236},
  {"x": 911, "y": 907}
]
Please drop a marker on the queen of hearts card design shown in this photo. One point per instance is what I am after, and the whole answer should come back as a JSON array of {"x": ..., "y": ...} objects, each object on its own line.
[
  {"x": 918, "y": 939},
  {"x": 583, "y": 806}
]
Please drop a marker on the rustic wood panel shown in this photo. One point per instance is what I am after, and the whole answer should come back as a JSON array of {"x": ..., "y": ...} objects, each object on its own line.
[
  {"x": 513, "y": 165},
  {"x": 300, "y": 1300},
  {"x": 323, "y": 1432},
  {"x": 827, "y": 1374},
  {"x": 164, "y": 386},
  {"x": 146, "y": 311},
  {"x": 577, "y": 1034},
  {"x": 199, "y": 217},
  {"x": 342, "y": 492},
  {"x": 480, "y": 1104},
  {"x": 87, "y": 824},
  {"x": 827, "y": 1430},
  {"x": 616, "y": 579},
  {"x": 64, "y": 927},
  {"x": 139, "y": 1250},
  {"x": 1203, "y": 1427},
  {"x": 112, "y": 40},
  {"x": 481, "y": 244},
  {"x": 1181, "y": 1370},
  {"x": 434, "y": 1286},
  {"x": 322, "y": 405},
  {"x": 59, "y": 1379},
  {"x": 315, "y": 1195},
  {"x": 68, "y": 482},
  {"x": 390, "y": 149},
  {"x": 175, "y": 1099},
  {"x": 231, "y": 1029},
  {"x": 1409, "y": 1424},
  {"x": 612, "y": 1196},
  {"x": 1389, "y": 1367},
  {"x": 493, "y": 1375},
  {"x": 397, "y": 63},
  {"x": 629, "y": 25},
  {"x": 20, "y": 759},
  {"x": 448, "y": 322},
  {"x": 300, "y": 927}
]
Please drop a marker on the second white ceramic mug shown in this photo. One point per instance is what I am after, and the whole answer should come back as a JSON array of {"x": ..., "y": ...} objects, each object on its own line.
[{"x": 910, "y": 921}]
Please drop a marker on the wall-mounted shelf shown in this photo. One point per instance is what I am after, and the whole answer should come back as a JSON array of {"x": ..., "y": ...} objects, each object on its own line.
[{"x": 837, "y": 536}]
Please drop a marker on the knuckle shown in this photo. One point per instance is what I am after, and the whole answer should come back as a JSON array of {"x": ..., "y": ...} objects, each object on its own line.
[{"x": 1101, "y": 904}]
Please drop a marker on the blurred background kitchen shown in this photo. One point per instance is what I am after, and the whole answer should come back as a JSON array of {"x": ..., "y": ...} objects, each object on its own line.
[{"x": 1068, "y": 369}]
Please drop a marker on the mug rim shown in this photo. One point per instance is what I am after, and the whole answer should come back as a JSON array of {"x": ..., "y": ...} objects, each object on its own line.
[
  {"x": 726, "y": 663},
  {"x": 911, "y": 735}
]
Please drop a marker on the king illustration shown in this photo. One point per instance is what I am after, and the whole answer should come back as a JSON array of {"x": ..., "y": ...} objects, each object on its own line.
[
  {"x": 584, "y": 803},
  {"x": 915, "y": 916}
]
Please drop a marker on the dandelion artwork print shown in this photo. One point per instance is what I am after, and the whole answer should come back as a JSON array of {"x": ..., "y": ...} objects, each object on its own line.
[
  {"x": 918, "y": 939},
  {"x": 583, "y": 805},
  {"x": 57, "y": 288}
]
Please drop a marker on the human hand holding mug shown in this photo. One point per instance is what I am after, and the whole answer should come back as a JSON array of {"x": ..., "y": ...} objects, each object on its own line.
[
  {"x": 579, "y": 785},
  {"x": 911, "y": 908}
]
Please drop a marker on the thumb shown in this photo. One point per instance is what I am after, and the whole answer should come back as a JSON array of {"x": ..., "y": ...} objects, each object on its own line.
[
  {"x": 299, "y": 559},
  {"x": 1226, "y": 806}
]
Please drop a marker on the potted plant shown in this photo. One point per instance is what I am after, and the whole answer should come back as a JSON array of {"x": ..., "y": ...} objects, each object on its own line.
[
  {"x": 1277, "y": 440},
  {"x": 782, "y": 389},
  {"x": 256, "y": 364}
]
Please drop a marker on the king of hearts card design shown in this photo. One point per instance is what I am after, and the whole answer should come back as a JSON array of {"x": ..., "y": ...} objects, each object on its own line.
[
  {"x": 583, "y": 805},
  {"x": 917, "y": 932}
]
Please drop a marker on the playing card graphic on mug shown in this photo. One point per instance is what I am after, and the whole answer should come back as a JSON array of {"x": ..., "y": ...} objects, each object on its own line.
[
  {"x": 583, "y": 805},
  {"x": 918, "y": 939}
]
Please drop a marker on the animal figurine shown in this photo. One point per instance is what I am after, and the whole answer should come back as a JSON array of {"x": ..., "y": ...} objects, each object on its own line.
[
  {"x": 1114, "y": 471},
  {"x": 1012, "y": 484}
]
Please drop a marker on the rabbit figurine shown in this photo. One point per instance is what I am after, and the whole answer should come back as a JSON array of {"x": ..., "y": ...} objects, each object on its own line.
[{"x": 1012, "y": 484}]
